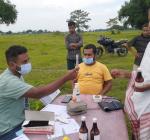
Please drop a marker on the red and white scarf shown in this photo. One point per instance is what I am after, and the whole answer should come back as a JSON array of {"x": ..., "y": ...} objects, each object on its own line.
[{"x": 137, "y": 104}]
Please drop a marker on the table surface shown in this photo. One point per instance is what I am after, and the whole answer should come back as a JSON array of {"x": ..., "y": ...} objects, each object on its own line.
[{"x": 112, "y": 125}]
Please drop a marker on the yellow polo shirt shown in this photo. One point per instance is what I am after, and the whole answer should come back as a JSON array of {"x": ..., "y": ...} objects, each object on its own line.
[{"x": 91, "y": 77}]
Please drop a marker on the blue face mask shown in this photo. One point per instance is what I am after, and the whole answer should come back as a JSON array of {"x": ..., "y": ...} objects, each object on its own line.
[{"x": 88, "y": 61}]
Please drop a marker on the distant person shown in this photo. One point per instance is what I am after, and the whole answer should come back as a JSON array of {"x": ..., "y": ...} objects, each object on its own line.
[
  {"x": 139, "y": 43},
  {"x": 73, "y": 43},
  {"x": 93, "y": 76},
  {"x": 14, "y": 90}
]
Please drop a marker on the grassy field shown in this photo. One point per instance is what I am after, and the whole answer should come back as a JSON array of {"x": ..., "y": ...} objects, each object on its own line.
[{"x": 48, "y": 56}]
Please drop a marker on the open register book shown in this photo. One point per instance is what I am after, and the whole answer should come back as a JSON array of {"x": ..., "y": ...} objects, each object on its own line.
[{"x": 38, "y": 122}]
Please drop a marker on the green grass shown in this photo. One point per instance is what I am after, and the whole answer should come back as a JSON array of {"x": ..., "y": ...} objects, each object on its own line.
[{"x": 48, "y": 56}]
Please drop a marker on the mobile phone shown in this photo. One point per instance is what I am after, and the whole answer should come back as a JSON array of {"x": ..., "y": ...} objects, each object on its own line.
[{"x": 66, "y": 99}]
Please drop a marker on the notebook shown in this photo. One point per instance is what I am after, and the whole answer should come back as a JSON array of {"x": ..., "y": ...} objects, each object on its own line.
[{"x": 48, "y": 99}]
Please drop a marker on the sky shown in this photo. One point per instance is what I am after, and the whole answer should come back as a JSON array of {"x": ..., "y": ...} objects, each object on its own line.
[{"x": 52, "y": 14}]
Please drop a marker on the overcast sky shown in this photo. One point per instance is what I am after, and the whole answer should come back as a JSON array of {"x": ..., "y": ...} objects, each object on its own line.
[{"x": 52, "y": 14}]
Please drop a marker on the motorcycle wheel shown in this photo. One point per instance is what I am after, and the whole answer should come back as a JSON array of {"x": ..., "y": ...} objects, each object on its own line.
[
  {"x": 99, "y": 51},
  {"x": 122, "y": 52}
]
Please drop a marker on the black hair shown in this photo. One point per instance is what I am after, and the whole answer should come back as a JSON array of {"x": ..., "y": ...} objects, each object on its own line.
[
  {"x": 90, "y": 46},
  {"x": 13, "y": 51},
  {"x": 71, "y": 23},
  {"x": 145, "y": 25}
]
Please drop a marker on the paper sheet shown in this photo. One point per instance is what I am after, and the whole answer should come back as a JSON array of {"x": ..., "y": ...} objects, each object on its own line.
[
  {"x": 57, "y": 109},
  {"x": 69, "y": 128}
]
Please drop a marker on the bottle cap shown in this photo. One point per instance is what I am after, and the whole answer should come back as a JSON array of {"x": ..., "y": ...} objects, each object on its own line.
[
  {"x": 139, "y": 69},
  {"x": 83, "y": 118},
  {"x": 76, "y": 84},
  {"x": 94, "y": 120}
]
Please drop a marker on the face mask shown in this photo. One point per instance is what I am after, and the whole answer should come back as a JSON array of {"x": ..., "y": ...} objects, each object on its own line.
[
  {"x": 88, "y": 61},
  {"x": 25, "y": 69}
]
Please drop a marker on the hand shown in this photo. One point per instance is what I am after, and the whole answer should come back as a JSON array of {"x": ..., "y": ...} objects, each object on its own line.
[
  {"x": 73, "y": 45},
  {"x": 120, "y": 73},
  {"x": 72, "y": 74},
  {"x": 115, "y": 73},
  {"x": 124, "y": 45},
  {"x": 137, "y": 55},
  {"x": 143, "y": 88}
]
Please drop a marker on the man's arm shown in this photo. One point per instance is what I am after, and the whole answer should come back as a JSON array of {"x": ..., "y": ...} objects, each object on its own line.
[
  {"x": 38, "y": 92},
  {"x": 68, "y": 45},
  {"x": 133, "y": 52},
  {"x": 106, "y": 87},
  {"x": 120, "y": 73},
  {"x": 79, "y": 44}
]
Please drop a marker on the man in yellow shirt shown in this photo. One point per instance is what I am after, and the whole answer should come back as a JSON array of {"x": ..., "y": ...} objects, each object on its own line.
[{"x": 93, "y": 77}]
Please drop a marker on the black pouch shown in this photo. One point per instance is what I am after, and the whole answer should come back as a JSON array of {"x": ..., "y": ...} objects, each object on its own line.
[{"x": 110, "y": 105}]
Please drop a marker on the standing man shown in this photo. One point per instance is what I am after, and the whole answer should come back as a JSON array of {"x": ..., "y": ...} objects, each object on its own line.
[
  {"x": 137, "y": 104},
  {"x": 14, "y": 90},
  {"x": 93, "y": 77},
  {"x": 139, "y": 43},
  {"x": 73, "y": 43}
]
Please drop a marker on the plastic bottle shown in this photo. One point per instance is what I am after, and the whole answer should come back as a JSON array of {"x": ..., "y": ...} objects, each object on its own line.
[{"x": 76, "y": 93}]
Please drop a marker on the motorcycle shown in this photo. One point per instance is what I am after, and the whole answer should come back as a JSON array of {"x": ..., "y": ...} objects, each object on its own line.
[{"x": 110, "y": 46}]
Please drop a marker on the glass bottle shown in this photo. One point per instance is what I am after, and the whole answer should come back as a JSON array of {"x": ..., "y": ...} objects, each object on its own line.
[
  {"x": 139, "y": 80},
  {"x": 95, "y": 133},
  {"x": 83, "y": 131}
]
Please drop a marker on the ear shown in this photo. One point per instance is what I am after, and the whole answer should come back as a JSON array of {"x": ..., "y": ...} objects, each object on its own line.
[
  {"x": 94, "y": 57},
  {"x": 12, "y": 65}
]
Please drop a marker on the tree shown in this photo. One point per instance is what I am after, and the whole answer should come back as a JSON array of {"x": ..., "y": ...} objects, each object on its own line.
[
  {"x": 80, "y": 17},
  {"x": 113, "y": 25},
  {"x": 8, "y": 13},
  {"x": 40, "y": 31},
  {"x": 134, "y": 13},
  {"x": 29, "y": 31},
  {"x": 112, "y": 22},
  {"x": 9, "y": 32},
  {"x": 117, "y": 27}
]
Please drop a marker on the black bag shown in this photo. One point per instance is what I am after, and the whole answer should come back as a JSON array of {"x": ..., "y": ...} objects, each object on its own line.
[{"x": 110, "y": 105}]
